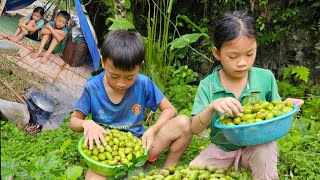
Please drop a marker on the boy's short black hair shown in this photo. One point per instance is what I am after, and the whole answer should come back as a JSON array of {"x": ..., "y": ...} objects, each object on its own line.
[
  {"x": 64, "y": 14},
  {"x": 124, "y": 48}
]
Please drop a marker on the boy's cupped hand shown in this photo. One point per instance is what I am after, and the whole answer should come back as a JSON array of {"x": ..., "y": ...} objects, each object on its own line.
[
  {"x": 93, "y": 132},
  {"x": 148, "y": 139},
  {"x": 226, "y": 105}
]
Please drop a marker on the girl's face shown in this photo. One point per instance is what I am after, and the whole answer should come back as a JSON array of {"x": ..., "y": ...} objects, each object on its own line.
[
  {"x": 36, "y": 16},
  {"x": 237, "y": 56},
  {"x": 119, "y": 80}
]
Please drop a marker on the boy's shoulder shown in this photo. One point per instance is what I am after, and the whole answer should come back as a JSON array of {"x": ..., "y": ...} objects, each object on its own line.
[
  {"x": 141, "y": 78},
  {"x": 95, "y": 79}
]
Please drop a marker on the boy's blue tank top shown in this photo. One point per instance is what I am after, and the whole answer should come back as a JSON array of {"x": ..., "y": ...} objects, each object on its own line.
[{"x": 129, "y": 113}]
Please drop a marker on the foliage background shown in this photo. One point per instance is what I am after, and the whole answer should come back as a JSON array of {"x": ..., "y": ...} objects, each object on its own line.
[{"x": 288, "y": 45}]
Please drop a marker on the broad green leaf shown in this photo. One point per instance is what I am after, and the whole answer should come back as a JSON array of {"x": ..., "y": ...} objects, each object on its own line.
[
  {"x": 73, "y": 172},
  {"x": 287, "y": 72},
  {"x": 286, "y": 146},
  {"x": 8, "y": 168},
  {"x": 301, "y": 73},
  {"x": 47, "y": 162},
  {"x": 108, "y": 2},
  {"x": 186, "y": 18},
  {"x": 65, "y": 144},
  {"x": 120, "y": 24},
  {"x": 128, "y": 4},
  {"x": 185, "y": 40}
]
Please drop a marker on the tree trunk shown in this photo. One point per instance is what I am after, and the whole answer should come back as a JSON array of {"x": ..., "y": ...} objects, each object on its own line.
[
  {"x": 56, "y": 9},
  {"x": 119, "y": 9},
  {"x": 3, "y": 3}
]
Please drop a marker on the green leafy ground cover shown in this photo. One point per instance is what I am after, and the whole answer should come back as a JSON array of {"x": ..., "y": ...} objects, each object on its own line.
[{"x": 53, "y": 154}]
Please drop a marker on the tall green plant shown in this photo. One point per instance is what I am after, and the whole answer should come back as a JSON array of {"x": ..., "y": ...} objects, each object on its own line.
[
  {"x": 161, "y": 44},
  {"x": 160, "y": 51}
]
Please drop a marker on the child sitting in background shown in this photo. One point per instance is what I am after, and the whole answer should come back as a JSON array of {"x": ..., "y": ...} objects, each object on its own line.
[
  {"x": 29, "y": 26},
  {"x": 52, "y": 35}
]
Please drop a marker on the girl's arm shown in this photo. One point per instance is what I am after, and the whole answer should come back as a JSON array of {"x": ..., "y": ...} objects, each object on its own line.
[
  {"x": 201, "y": 121},
  {"x": 222, "y": 105},
  {"x": 31, "y": 28}
]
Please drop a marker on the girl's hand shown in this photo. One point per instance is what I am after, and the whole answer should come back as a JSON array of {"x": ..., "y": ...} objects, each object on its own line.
[
  {"x": 297, "y": 102},
  {"x": 226, "y": 105},
  {"x": 148, "y": 139},
  {"x": 93, "y": 132}
]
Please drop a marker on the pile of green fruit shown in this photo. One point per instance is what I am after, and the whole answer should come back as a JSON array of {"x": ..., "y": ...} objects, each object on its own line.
[
  {"x": 258, "y": 112},
  {"x": 119, "y": 150},
  {"x": 188, "y": 173}
]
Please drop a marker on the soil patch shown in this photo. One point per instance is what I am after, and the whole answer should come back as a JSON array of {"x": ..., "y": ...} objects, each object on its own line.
[{"x": 18, "y": 78}]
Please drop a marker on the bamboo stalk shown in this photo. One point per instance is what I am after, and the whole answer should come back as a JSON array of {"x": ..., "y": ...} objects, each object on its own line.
[{"x": 4, "y": 82}]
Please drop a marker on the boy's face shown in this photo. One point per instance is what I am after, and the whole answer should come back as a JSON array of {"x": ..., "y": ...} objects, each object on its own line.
[
  {"x": 36, "y": 16},
  {"x": 61, "y": 22},
  {"x": 118, "y": 79}
]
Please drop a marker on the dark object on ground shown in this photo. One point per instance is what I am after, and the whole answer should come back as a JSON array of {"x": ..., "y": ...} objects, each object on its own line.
[{"x": 41, "y": 107}]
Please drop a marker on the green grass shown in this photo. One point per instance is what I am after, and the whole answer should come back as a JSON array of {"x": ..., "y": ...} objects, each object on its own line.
[{"x": 50, "y": 153}]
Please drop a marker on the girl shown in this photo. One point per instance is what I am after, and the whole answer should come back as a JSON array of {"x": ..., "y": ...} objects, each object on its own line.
[
  {"x": 231, "y": 84},
  {"x": 29, "y": 26}
]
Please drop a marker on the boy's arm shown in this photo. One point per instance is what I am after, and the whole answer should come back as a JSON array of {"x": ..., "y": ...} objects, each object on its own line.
[
  {"x": 58, "y": 34},
  {"x": 76, "y": 121},
  {"x": 92, "y": 131},
  {"x": 167, "y": 112},
  {"x": 46, "y": 29}
]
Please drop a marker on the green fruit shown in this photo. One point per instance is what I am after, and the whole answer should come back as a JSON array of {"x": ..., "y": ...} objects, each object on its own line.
[
  {"x": 288, "y": 104},
  {"x": 95, "y": 158},
  {"x": 246, "y": 111},
  {"x": 286, "y": 109},
  {"x": 258, "y": 120},
  {"x": 270, "y": 107},
  {"x": 84, "y": 147},
  {"x": 264, "y": 104},
  {"x": 205, "y": 176},
  {"x": 276, "y": 112},
  {"x": 246, "y": 117},
  {"x": 212, "y": 169},
  {"x": 236, "y": 120},
  {"x": 164, "y": 172},
  {"x": 108, "y": 155},
  {"x": 95, "y": 151},
  {"x": 102, "y": 157},
  {"x": 230, "y": 123},
  {"x": 101, "y": 150},
  {"x": 87, "y": 152},
  {"x": 261, "y": 115},
  {"x": 275, "y": 102},
  {"x": 269, "y": 116}
]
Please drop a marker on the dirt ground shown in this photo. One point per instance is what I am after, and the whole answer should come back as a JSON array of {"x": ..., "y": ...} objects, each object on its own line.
[{"x": 16, "y": 77}]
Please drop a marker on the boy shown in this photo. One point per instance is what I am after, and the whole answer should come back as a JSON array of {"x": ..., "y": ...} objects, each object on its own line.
[
  {"x": 52, "y": 35},
  {"x": 117, "y": 98}
]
